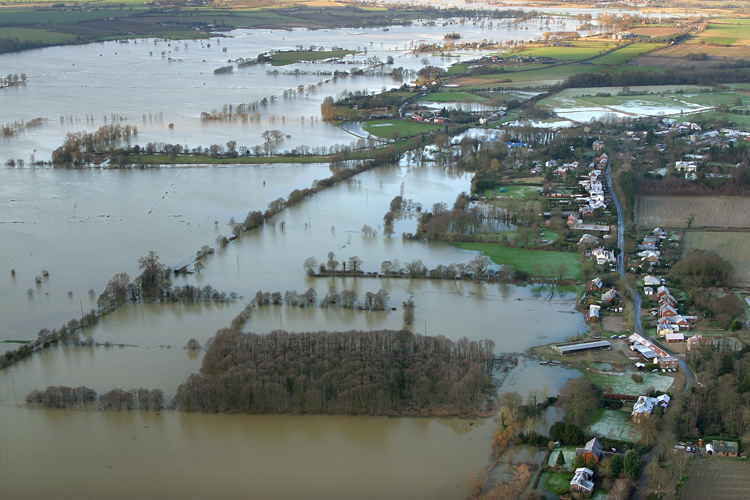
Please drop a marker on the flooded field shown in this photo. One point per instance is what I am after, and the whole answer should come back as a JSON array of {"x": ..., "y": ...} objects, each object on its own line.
[{"x": 84, "y": 226}]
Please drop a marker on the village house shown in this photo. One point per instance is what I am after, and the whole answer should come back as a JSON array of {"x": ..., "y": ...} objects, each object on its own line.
[
  {"x": 667, "y": 362},
  {"x": 698, "y": 341},
  {"x": 581, "y": 482},
  {"x": 593, "y": 314},
  {"x": 643, "y": 408},
  {"x": 609, "y": 296},
  {"x": 595, "y": 284},
  {"x": 592, "y": 450},
  {"x": 648, "y": 291},
  {"x": 651, "y": 281},
  {"x": 603, "y": 256},
  {"x": 588, "y": 239}
]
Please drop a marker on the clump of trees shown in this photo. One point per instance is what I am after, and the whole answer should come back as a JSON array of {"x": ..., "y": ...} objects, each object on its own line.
[
  {"x": 62, "y": 397},
  {"x": 79, "y": 397},
  {"x": 80, "y": 147},
  {"x": 579, "y": 399},
  {"x": 720, "y": 405},
  {"x": 702, "y": 268},
  {"x": 376, "y": 373}
]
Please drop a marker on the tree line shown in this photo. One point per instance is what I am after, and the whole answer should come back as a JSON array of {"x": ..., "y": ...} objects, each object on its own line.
[
  {"x": 382, "y": 372},
  {"x": 60, "y": 397}
]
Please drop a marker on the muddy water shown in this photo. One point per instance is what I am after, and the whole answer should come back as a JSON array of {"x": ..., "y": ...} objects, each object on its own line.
[{"x": 91, "y": 455}]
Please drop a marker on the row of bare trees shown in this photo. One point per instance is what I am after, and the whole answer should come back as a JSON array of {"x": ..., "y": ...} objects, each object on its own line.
[
  {"x": 79, "y": 397},
  {"x": 377, "y": 373}
]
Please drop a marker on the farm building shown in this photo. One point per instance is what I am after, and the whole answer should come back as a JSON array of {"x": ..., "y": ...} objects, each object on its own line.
[
  {"x": 723, "y": 449},
  {"x": 586, "y": 345},
  {"x": 581, "y": 482},
  {"x": 651, "y": 281},
  {"x": 675, "y": 337}
]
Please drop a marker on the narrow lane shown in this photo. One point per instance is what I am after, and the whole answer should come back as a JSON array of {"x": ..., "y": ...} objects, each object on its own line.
[{"x": 642, "y": 482}]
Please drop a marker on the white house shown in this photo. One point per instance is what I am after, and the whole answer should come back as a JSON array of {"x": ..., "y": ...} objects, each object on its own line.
[
  {"x": 582, "y": 482},
  {"x": 643, "y": 408}
]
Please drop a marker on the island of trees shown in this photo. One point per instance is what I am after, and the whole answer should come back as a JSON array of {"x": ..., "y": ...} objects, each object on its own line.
[{"x": 356, "y": 373}]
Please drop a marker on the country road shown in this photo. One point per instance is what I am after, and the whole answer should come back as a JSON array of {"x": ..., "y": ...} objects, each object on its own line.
[{"x": 642, "y": 482}]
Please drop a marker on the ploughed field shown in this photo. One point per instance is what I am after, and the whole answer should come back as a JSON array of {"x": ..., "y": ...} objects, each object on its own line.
[
  {"x": 710, "y": 211},
  {"x": 718, "y": 479}
]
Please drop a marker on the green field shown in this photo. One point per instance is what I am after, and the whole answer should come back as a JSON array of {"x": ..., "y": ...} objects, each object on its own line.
[
  {"x": 530, "y": 261},
  {"x": 515, "y": 191},
  {"x": 452, "y": 97},
  {"x": 726, "y": 31},
  {"x": 576, "y": 51},
  {"x": 621, "y": 383},
  {"x": 544, "y": 77},
  {"x": 33, "y": 34},
  {"x": 295, "y": 56},
  {"x": 384, "y": 128},
  {"x": 741, "y": 121},
  {"x": 621, "y": 55}
]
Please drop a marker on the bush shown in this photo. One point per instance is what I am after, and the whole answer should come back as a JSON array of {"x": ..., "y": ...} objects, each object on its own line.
[{"x": 637, "y": 378}]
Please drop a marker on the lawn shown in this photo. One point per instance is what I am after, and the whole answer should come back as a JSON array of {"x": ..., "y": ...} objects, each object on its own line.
[
  {"x": 295, "y": 56},
  {"x": 384, "y": 128},
  {"x": 559, "y": 482},
  {"x": 530, "y": 261},
  {"x": 569, "y": 452},
  {"x": 621, "y": 383},
  {"x": 621, "y": 55},
  {"x": 614, "y": 425}
]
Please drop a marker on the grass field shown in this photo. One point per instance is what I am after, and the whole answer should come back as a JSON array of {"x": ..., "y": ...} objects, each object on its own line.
[
  {"x": 384, "y": 128},
  {"x": 614, "y": 425},
  {"x": 710, "y": 211},
  {"x": 33, "y": 34},
  {"x": 621, "y": 383},
  {"x": 740, "y": 121},
  {"x": 717, "y": 479},
  {"x": 515, "y": 191},
  {"x": 543, "y": 77},
  {"x": 726, "y": 32},
  {"x": 295, "y": 56},
  {"x": 575, "y": 52},
  {"x": 732, "y": 246},
  {"x": 530, "y": 261},
  {"x": 621, "y": 55},
  {"x": 452, "y": 97}
]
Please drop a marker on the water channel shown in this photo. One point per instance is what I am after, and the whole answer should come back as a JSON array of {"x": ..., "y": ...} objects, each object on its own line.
[{"x": 83, "y": 226}]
